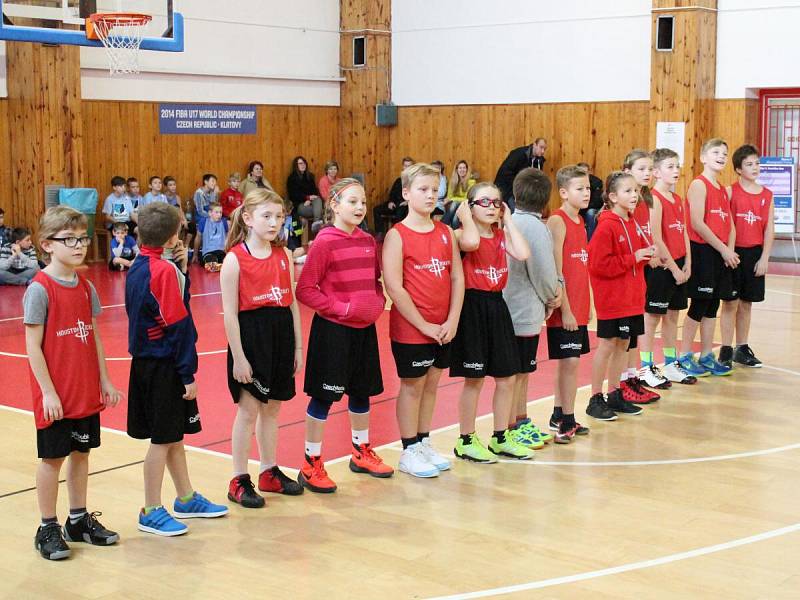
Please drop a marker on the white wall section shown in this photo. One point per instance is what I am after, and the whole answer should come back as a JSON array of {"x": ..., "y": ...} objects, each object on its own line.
[{"x": 518, "y": 51}]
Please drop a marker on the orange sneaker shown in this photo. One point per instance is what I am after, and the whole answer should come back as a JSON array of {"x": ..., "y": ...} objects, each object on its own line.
[
  {"x": 314, "y": 476},
  {"x": 364, "y": 460}
]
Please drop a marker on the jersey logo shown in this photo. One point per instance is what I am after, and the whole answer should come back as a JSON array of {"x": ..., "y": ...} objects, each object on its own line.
[
  {"x": 444, "y": 239},
  {"x": 80, "y": 331},
  {"x": 436, "y": 266},
  {"x": 283, "y": 264},
  {"x": 677, "y": 225},
  {"x": 721, "y": 213},
  {"x": 749, "y": 217},
  {"x": 503, "y": 246},
  {"x": 621, "y": 239},
  {"x": 583, "y": 256}
]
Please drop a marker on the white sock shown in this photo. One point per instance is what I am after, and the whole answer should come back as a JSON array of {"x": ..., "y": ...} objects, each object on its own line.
[
  {"x": 360, "y": 437},
  {"x": 313, "y": 448},
  {"x": 265, "y": 467},
  {"x": 632, "y": 373},
  {"x": 624, "y": 376},
  {"x": 239, "y": 473}
]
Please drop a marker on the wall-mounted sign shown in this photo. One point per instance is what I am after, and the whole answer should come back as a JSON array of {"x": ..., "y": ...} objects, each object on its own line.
[{"x": 214, "y": 119}]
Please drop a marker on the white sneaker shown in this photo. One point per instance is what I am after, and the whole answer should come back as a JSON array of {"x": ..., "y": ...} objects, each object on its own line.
[
  {"x": 675, "y": 373},
  {"x": 652, "y": 377},
  {"x": 413, "y": 462},
  {"x": 433, "y": 457}
]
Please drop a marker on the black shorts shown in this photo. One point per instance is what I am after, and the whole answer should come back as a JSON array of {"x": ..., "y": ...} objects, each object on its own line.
[
  {"x": 749, "y": 287},
  {"x": 414, "y": 360},
  {"x": 191, "y": 228},
  {"x": 624, "y": 328},
  {"x": 68, "y": 435},
  {"x": 527, "y": 347},
  {"x": 567, "y": 344},
  {"x": 663, "y": 293},
  {"x": 342, "y": 360},
  {"x": 267, "y": 336},
  {"x": 484, "y": 343},
  {"x": 710, "y": 278},
  {"x": 156, "y": 408}
]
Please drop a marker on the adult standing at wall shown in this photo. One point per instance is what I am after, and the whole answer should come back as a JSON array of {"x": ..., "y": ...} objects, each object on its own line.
[{"x": 518, "y": 159}]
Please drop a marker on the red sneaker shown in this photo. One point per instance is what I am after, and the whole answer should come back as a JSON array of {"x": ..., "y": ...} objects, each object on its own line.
[
  {"x": 633, "y": 391},
  {"x": 314, "y": 476},
  {"x": 242, "y": 491},
  {"x": 364, "y": 460},
  {"x": 274, "y": 480}
]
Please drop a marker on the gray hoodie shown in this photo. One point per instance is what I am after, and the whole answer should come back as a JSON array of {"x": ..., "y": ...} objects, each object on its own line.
[{"x": 534, "y": 282}]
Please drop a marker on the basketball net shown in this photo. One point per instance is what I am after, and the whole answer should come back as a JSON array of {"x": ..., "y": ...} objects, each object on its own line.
[{"x": 121, "y": 35}]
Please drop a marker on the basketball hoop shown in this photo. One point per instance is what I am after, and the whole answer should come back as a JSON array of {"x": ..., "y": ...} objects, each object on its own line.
[{"x": 121, "y": 35}]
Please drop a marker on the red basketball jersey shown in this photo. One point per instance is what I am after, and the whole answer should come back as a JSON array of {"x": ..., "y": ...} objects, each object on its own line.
[
  {"x": 575, "y": 259},
  {"x": 641, "y": 215},
  {"x": 263, "y": 281},
  {"x": 487, "y": 268},
  {"x": 427, "y": 262},
  {"x": 69, "y": 351},
  {"x": 751, "y": 215},
  {"x": 673, "y": 223},
  {"x": 717, "y": 215}
]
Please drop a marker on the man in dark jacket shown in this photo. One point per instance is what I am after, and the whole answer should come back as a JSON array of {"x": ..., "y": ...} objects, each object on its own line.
[
  {"x": 393, "y": 209},
  {"x": 518, "y": 159}
]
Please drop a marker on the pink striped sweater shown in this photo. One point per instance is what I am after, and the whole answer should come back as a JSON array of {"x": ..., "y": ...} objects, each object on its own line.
[{"x": 340, "y": 278}]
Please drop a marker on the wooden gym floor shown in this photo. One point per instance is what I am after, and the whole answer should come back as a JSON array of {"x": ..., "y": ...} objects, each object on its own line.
[{"x": 694, "y": 498}]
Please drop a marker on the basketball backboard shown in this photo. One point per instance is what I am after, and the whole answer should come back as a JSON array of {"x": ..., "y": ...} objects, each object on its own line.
[{"x": 63, "y": 21}]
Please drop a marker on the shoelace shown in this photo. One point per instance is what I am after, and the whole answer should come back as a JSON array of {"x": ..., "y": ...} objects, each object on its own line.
[
  {"x": 369, "y": 454},
  {"x": 657, "y": 372},
  {"x": 92, "y": 522},
  {"x": 247, "y": 485},
  {"x": 318, "y": 468},
  {"x": 51, "y": 532}
]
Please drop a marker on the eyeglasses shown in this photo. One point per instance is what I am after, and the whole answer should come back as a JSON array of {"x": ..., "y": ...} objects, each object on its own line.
[
  {"x": 72, "y": 241},
  {"x": 484, "y": 202}
]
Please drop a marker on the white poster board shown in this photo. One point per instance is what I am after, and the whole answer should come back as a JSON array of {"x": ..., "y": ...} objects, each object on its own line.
[{"x": 672, "y": 135}]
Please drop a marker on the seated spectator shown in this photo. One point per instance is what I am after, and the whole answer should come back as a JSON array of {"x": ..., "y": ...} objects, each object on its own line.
[
  {"x": 155, "y": 194},
  {"x": 442, "y": 195},
  {"x": 232, "y": 198},
  {"x": 293, "y": 234},
  {"x": 117, "y": 207},
  {"x": 5, "y": 232},
  {"x": 204, "y": 197},
  {"x": 215, "y": 231},
  {"x": 134, "y": 195},
  {"x": 388, "y": 211},
  {"x": 255, "y": 179},
  {"x": 325, "y": 182},
  {"x": 307, "y": 202},
  {"x": 460, "y": 182},
  {"x": 123, "y": 248},
  {"x": 18, "y": 262}
]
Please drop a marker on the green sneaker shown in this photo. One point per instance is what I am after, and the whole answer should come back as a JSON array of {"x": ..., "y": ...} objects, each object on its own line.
[
  {"x": 527, "y": 426},
  {"x": 510, "y": 448},
  {"x": 474, "y": 450},
  {"x": 526, "y": 437}
]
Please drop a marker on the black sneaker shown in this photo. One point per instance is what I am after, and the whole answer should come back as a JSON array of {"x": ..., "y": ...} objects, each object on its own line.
[
  {"x": 274, "y": 480},
  {"x": 554, "y": 423},
  {"x": 581, "y": 430},
  {"x": 88, "y": 529},
  {"x": 50, "y": 543},
  {"x": 598, "y": 409},
  {"x": 242, "y": 491},
  {"x": 743, "y": 355},
  {"x": 619, "y": 405},
  {"x": 726, "y": 356}
]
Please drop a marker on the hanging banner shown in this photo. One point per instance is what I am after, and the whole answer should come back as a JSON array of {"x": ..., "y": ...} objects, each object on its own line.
[
  {"x": 778, "y": 174},
  {"x": 216, "y": 119}
]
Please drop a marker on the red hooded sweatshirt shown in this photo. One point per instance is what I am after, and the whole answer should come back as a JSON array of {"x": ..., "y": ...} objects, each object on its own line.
[{"x": 617, "y": 280}]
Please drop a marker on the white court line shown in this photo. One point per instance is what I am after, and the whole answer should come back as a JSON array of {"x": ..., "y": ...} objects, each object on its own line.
[
  {"x": 644, "y": 564},
  {"x": 782, "y": 292},
  {"x": 119, "y": 305},
  {"x": 118, "y": 358}
]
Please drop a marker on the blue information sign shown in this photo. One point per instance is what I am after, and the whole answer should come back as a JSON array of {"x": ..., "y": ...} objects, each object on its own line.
[
  {"x": 778, "y": 175},
  {"x": 215, "y": 119}
]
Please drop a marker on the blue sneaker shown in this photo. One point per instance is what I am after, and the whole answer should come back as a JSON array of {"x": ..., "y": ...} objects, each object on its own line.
[
  {"x": 198, "y": 507},
  {"x": 161, "y": 522},
  {"x": 691, "y": 366},
  {"x": 711, "y": 365}
]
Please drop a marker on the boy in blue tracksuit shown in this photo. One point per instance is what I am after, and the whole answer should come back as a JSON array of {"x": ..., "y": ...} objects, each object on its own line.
[{"x": 162, "y": 403}]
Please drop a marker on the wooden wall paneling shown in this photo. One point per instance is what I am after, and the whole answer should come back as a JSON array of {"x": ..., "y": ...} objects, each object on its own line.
[
  {"x": 736, "y": 121},
  {"x": 5, "y": 165},
  {"x": 682, "y": 81}
]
